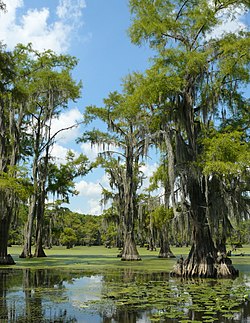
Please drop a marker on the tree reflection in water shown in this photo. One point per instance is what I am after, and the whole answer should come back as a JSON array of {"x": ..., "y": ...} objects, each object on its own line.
[
  {"x": 25, "y": 296},
  {"x": 124, "y": 296},
  {"x": 3, "y": 301}
]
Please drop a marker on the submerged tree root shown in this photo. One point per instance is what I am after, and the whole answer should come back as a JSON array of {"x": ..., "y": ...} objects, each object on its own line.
[
  {"x": 226, "y": 269},
  {"x": 207, "y": 267},
  {"x": 129, "y": 251},
  {"x": 133, "y": 255},
  {"x": 131, "y": 258},
  {"x": 166, "y": 255},
  {"x": 7, "y": 260},
  {"x": 130, "y": 254}
]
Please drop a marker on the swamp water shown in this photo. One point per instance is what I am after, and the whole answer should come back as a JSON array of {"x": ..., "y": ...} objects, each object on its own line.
[{"x": 125, "y": 296}]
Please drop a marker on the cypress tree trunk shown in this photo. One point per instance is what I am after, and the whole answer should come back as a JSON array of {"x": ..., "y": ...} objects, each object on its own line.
[
  {"x": 221, "y": 245},
  {"x": 130, "y": 251},
  {"x": 202, "y": 256},
  {"x": 165, "y": 251},
  {"x": 5, "y": 258},
  {"x": 203, "y": 259},
  {"x": 39, "y": 252},
  {"x": 151, "y": 240},
  {"x": 6, "y": 212},
  {"x": 26, "y": 253},
  {"x": 8, "y": 157},
  {"x": 37, "y": 205},
  {"x": 43, "y": 174}
]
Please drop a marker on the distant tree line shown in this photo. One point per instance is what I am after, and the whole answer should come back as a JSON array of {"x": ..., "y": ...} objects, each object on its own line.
[{"x": 62, "y": 227}]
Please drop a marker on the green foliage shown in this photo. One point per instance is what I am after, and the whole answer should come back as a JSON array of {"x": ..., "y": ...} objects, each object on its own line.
[
  {"x": 187, "y": 55},
  {"x": 90, "y": 232},
  {"x": 197, "y": 76},
  {"x": 110, "y": 224},
  {"x": 161, "y": 21},
  {"x": 241, "y": 233},
  {"x": 162, "y": 216},
  {"x": 86, "y": 229},
  {"x": 226, "y": 153},
  {"x": 35, "y": 86},
  {"x": 19, "y": 186},
  {"x": 17, "y": 225},
  {"x": 61, "y": 178},
  {"x": 109, "y": 235},
  {"x": 159, "y": 177},
  {"x": 68, "y": 238}
]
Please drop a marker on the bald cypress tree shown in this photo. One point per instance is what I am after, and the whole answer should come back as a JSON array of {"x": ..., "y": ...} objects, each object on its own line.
[
  {"x": 127, "y": 131},
  {"x": 49, "y": 87},
  {"x": 196, "y": 78},
  {"x": 13, "y": 112}
]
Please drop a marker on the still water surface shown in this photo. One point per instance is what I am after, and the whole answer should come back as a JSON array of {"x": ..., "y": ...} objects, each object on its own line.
[{"x": 125, "y": 296}]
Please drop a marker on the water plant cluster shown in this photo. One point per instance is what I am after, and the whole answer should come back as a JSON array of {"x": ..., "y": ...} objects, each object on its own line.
[
  {"x": 177, "y": 300},
  {"x": 102, "y": 288}
]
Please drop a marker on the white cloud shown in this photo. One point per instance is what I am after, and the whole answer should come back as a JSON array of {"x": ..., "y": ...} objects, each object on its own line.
[
  {"x": 231, "y": 22},
  {"x": 148, "y": 170},
  {"x": 65, "y": 120},
  {"x": 90, "y": 193},
  {"x": 59, "y": 153},
  {"x": 92, "y": 151},
  {"x": 94, "y": 207},
  {"x": 105, "y": 180},
  {"x": 34, "y": 26},
  {"x": 68, "y": 9},
  {"x": 89, "y": 189}
]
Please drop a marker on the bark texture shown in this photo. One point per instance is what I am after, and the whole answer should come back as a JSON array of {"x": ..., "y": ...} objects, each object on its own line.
[
  {"x": 130, "y": 251},
  {"x": 26, "y": 252},
  {"x": 204, "y": 259},
  {"x": 165, "y": 251},
  {"x": 5, "y": 258}
]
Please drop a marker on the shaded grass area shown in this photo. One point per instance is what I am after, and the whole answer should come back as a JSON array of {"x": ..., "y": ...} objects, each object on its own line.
[{"x": 99, "y": 258}]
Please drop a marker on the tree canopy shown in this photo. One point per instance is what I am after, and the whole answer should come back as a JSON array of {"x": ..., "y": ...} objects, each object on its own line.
[{"x": 195, "y": 91}]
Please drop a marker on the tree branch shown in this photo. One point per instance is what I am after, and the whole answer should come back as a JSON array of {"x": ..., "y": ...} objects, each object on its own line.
[
  {"x": 56, "y": 133},
  {"x": 181, "y": 8},
  {"x": 177, "y": 37},
  {"x": 197, "y": 35},
  {"x": 112, "y": 152}
]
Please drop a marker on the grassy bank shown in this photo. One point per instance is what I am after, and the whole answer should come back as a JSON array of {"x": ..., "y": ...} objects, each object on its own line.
[{"x": 99, "y": 258}]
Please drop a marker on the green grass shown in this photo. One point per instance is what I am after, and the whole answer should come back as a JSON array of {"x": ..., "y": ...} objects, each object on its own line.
[
  {"x": 99, "y": 258},
  {"x": 95, "y": 257}
]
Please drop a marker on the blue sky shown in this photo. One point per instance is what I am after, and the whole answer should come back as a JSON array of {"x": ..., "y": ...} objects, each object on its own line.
[{"x": 95, "y": 31}]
